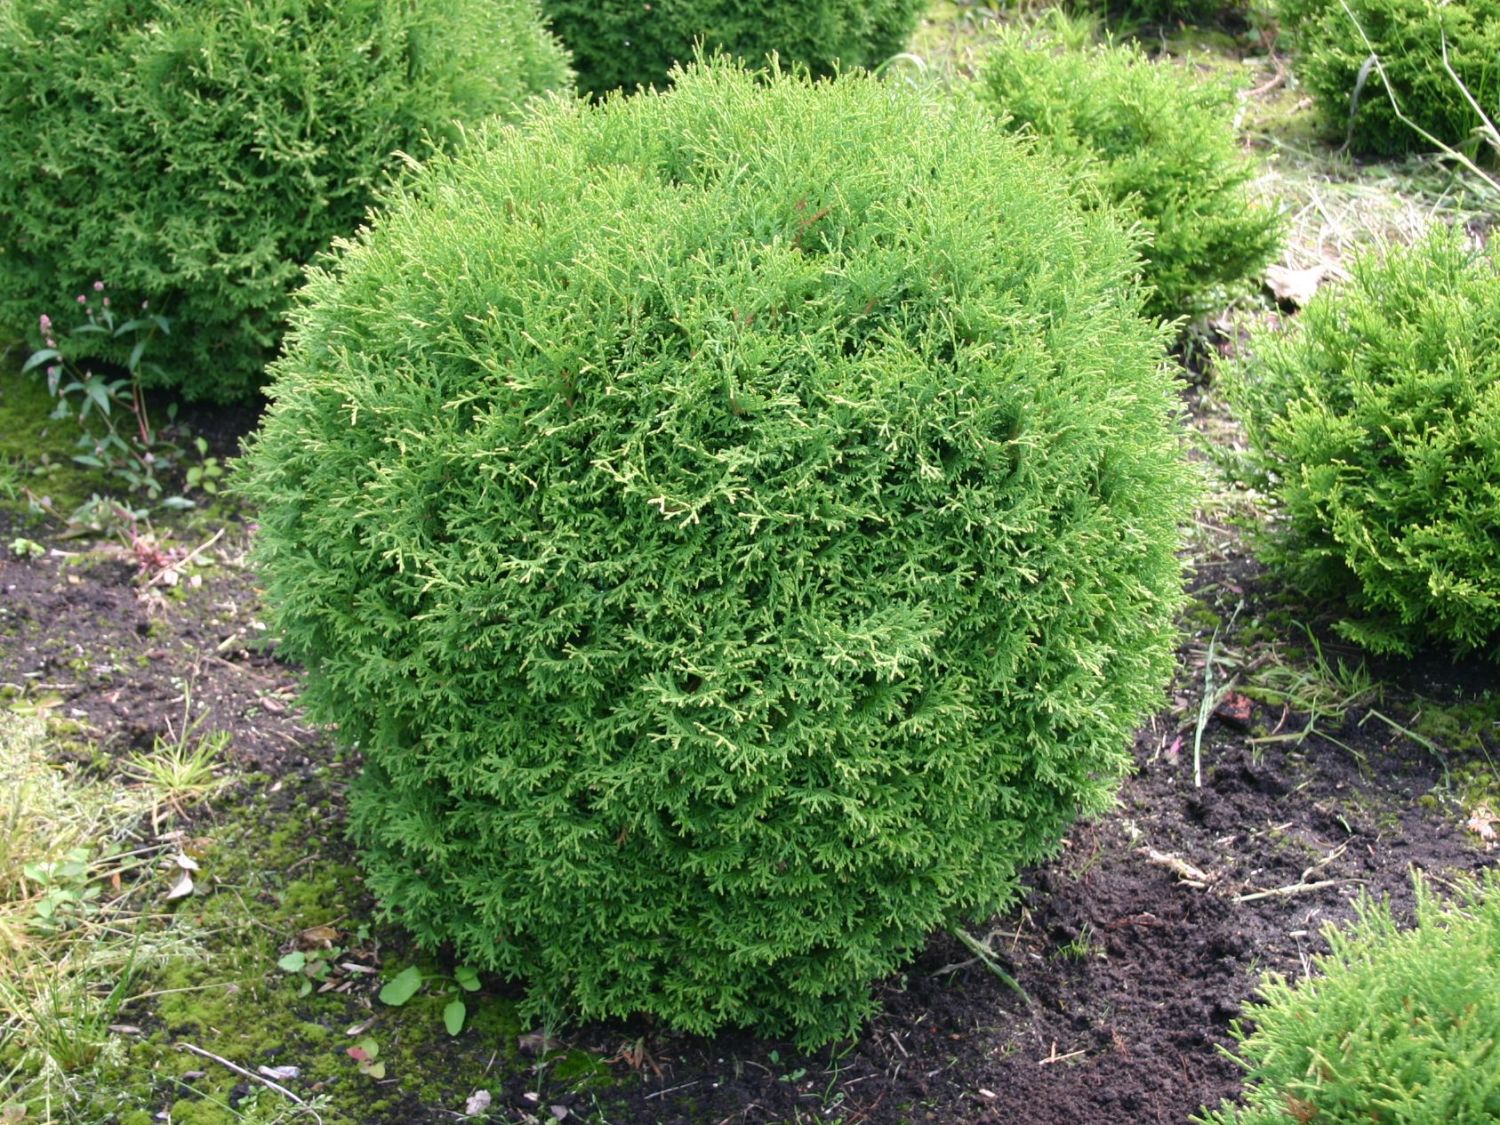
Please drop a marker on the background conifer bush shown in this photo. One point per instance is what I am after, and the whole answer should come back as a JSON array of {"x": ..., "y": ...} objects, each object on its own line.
[
  {"x": 625, "y": 43},
  {"x": 737, "y": 527},
  {"x": 198, "y": 155},
  {"x": 1374, "y": 427},
  {"x": 1394, "y": 1025},
  {"x": 1156, "y": 143},
  {"x": 1331, "y": 54}
]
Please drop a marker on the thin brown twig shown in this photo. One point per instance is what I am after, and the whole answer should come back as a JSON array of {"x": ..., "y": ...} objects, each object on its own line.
[{"x": 250, "y": 1074}]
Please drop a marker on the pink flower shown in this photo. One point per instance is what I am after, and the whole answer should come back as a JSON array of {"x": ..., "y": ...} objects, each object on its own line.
[
  {"x": 143, "y": 304},
  {"x": 82, "y": 300},
  {"x": 51, "y": 343},
  {"x": 46, "y": 323},
  {"x": 98, "y": 287}
]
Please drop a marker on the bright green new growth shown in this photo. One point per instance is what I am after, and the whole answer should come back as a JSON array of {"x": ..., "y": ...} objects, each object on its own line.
[
  {"x": 1374, "y": 427},
  {"x": 1397, "y": 1026},
  {"x": 626, "y": 43},
  {"x": 737, "y": 527},
  {"x": 198, "y": 155},
  {"x": 1334, "y": 40},
  {"x": 1155, "y": 142}
]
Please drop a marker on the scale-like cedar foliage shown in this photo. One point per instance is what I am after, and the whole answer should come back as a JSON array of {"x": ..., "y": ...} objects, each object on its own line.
[
  {"x": 626, "y": 43},
  {"x": 1374, "y": 425},
  {"x": 1333, "y": 62},
  {"x": 1394, "y": 1025},
  {"x": 737, "y": 527},
  {"x": 1155, "y": 142},
  {"x": 198, "y": 155}
]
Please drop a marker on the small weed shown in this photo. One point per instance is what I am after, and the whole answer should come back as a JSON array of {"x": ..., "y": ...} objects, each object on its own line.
[
  {"x": 409, "y": 981},
  {"x": 1322, "y": 690},
  {"x": 180, "y": 772}
]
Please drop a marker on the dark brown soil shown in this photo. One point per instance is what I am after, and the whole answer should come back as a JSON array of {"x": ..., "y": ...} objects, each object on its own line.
[{"x": 1131, "y": 973}]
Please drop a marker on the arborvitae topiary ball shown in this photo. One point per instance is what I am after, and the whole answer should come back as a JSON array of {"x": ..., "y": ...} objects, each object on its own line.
[
  {"x": 1157, "y": 143},
  {"x": 736, "y": 526},
  {"x": 1374, "y": 426},
  {"x": 1394, "y": 1025},
  {"x": 626, "y": 43},
  {"x": 1333, "y": 41},
  {"x": 198, "y": 155}
]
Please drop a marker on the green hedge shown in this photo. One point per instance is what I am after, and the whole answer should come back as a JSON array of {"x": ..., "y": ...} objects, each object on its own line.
[
  {"x": 737, "y": 528},
  {"x": 197, "y": 155},
  {"x": 1374, "y": 427},
  {"x": 1155, "y": 142},
  {"x": 625, "y": 43},
  {"x": 1393, "y": 1026},
  {"x": 1332, "y": 61}
]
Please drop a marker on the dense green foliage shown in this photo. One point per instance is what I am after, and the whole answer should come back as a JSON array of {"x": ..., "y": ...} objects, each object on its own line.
[
  {"x": 1399, "y": 1027},
  {"x": 737, "y": 527},
  {"x": 198, "y": 155},
  {"x": 1152, "y": 140},
  {"x": 625, "y": 43},
  {"x": 1333, "y": 41},
  {"x": 1374, "y": 426}
]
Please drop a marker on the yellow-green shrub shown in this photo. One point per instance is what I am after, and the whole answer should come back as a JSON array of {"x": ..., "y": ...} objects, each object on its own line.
[
  {"x": 1156, "y": 143},
  {"x": 1374, "y": 428},
  {"x": 1398, "y": 1026},
  {"x": 623, "y": 44},
  {"x": 197, "y": 155},
  {"x": 737, "y": 528}
]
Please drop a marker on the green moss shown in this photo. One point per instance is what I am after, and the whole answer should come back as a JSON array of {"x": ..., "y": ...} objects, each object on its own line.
[{"x": 37, "y": 447}]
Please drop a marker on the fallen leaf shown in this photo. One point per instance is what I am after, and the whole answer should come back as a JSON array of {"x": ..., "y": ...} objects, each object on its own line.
[
  {"x": 182, "y": 888},
  {"x": 1235, "y": 709},
  {"x": 186, "y": 862},
  {"x": 1296, "y": 287},
  {"x": 558, "y": 1111},
  {"x": 536, "y": 1043},
  {"x": 280, "y": 1073},
  {"x": 478, "y": 1102},
  {"x": 319, "y": 935}
]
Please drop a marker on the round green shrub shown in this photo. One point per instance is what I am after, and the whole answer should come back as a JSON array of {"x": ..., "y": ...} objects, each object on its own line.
[
  {"x": 1333, "y": 41},
  {"x": 1153, "y": 141},
  {"x": 1374, "y": 428},
  {"x": 737, "y": 528},
  {"x": 198, "y": 155},
  {"x": 623, "y": 44},
  {"x": 1394, "y": 1026}
]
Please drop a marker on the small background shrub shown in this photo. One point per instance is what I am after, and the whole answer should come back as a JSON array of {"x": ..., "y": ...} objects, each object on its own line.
[
  {"x": 1166, "y": 13},
  {"x": 1394, "y": 1026},
  {"x": 197, "y": 155},
  {"x": 737, "y": 526},
  {"x": 1407, "y": 35},
  {"x": 1374, "y": 427},
  {"x": 625, "y": 43},
  {"x": 1155, "y": 142}
]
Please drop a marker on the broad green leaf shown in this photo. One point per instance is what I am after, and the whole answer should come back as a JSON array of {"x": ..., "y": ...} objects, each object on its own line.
[
  {"x": 38, "y": 358},
  {"x": 453, "y": 1016},
  {"x": 293, "y": 962},
  {"x": 402, "y": 987},
  {"x": 466, "y": 978}
]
